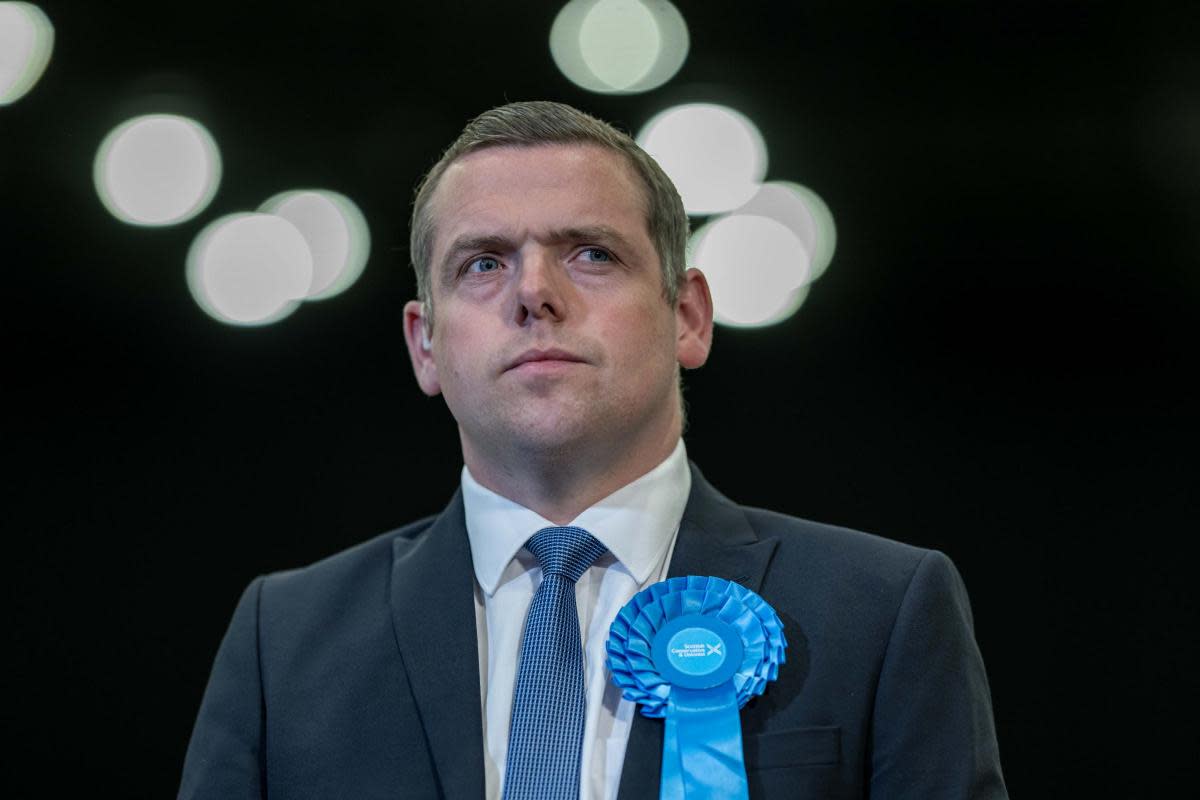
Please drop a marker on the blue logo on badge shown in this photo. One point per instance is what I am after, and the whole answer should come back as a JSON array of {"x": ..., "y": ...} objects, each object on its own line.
[{"x": 697, "y": 651}]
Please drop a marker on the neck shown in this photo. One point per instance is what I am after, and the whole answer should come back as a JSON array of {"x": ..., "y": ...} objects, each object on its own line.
[{"x": 560, "y": 485}]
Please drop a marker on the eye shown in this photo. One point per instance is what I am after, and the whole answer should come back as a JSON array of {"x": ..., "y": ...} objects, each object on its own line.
[
  {"x": 483, "y": 264},
  {"x": 597, "y": 255}
]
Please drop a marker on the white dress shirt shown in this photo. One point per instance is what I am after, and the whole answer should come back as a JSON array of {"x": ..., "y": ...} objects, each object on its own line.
[{"x": 638, "y": 524}]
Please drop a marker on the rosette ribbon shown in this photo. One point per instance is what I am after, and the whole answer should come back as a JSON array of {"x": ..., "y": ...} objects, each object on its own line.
[{"x": 693, "y": 651}]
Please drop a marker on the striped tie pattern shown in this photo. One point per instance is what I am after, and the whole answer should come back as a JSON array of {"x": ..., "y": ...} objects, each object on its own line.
[{"x": 545, "y": 738}]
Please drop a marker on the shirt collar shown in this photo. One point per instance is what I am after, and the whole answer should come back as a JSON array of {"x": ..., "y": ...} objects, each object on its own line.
[{"x": 636, "y": 523}]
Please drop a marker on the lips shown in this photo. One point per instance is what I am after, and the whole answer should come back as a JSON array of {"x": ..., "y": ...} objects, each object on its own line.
[{"x": 535, "y": 355}]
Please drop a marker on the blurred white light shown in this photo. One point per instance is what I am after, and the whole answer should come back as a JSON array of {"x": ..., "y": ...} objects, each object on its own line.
[
  {"x": 249, "y": 269},
  {"x": 336, "y": 232},
  {"x": 159, "y": 169},
  {"x": 802, "y": 211},
  {"x": 619, "y": 46},
  {"x": 26, "y": 41},
  {"x": 757, "y": 268},
  {"x": 619, "y": 41},
  {"x": 714, "y": 155}
]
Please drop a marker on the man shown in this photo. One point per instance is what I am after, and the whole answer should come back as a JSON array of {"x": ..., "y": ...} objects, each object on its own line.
[{"x": 554, "y": 313}]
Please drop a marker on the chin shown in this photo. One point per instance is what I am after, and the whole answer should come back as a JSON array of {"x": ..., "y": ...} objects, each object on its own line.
[
  {"x": 548, "y": 441},
  {"x": 550, "y": 434}
]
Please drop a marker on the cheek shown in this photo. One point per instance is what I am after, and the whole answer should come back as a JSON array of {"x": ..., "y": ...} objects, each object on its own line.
[
  {"x": 457, "y": 371},
  {"x": 646, "y": 341}
]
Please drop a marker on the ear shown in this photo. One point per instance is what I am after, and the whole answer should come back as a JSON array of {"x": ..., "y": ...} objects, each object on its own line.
[
  {"x": 693, "y": 321},
  {"x": 420, "y": 349}
]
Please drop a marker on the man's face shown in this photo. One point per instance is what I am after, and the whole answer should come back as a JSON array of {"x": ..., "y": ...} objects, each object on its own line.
[{"x": 551, "y": 332}]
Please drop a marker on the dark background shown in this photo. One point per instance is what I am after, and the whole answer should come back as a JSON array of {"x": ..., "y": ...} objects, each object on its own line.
[{"x": 999, "y": 362}]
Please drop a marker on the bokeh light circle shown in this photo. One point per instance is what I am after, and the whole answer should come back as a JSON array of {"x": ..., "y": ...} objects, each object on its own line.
[
  {"x": 26, "y": 42},
  {"x": 249, "y": 269},
  {"x": 757, "y": 268},
  {"x": 336, "y": 232},
  {"x": 619, "y": 46},
  {"x": 804, "y": 212},
  {"x": 619, "y": 42},
  {"x": 714, "y": 155},
  {"x": 157, "y": 169}
]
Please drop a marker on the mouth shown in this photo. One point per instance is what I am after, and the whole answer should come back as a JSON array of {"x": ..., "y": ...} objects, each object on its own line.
[{"x": 543, "y": 359}]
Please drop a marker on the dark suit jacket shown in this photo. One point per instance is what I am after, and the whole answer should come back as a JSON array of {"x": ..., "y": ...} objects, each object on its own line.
[{"x": 357, "y": 677}]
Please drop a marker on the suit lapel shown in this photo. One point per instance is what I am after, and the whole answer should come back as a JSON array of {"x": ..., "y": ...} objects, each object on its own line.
[
  {"x": 714, "y": 539},
  {"x": 433, "y": 614}
]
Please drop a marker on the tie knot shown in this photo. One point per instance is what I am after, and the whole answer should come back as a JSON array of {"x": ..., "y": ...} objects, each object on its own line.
[{"x": 566, "y": 551}]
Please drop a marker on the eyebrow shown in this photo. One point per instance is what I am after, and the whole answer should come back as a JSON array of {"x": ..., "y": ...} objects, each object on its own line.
[
  {"x": 498, "y": 242},
  {"x": 473, "y": 243},
  {"x": 602, "y": 234}
]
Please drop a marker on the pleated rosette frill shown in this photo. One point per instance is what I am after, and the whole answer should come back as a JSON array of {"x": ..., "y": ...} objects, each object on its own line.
[{"x": 632, "y": 636}]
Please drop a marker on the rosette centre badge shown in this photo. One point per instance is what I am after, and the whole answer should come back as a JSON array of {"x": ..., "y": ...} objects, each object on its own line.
[
  {"x": 697, "y": 652},
  {"x": 693, "y": 651}
]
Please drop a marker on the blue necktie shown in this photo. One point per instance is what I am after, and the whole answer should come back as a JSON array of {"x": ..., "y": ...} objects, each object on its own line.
[{"x": 545, "y": 738}]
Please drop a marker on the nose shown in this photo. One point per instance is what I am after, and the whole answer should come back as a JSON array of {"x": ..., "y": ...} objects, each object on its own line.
[{"x": 542, "y": 293}]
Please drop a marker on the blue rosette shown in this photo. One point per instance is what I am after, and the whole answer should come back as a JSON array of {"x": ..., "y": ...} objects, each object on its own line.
[{"x": 693, "y": 651}]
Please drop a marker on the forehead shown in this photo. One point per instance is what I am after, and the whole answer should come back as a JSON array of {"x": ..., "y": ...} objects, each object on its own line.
[{"x": 524, "y": 189}]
